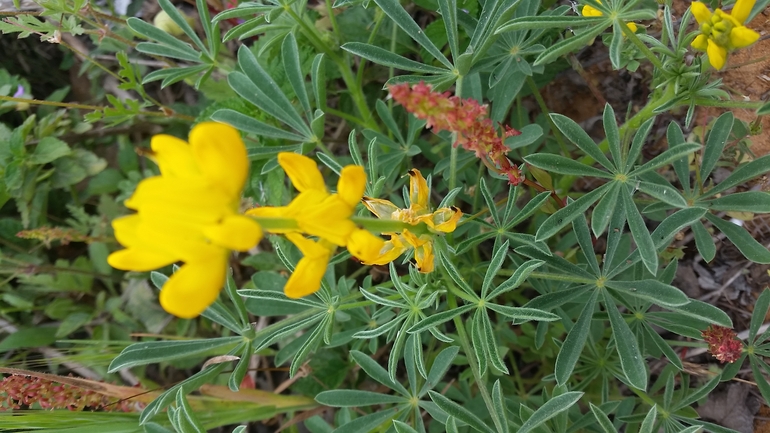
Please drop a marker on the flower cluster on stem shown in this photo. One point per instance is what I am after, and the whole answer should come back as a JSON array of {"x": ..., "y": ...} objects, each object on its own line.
[
  {"x": 464, "y": 117},
  {"x": 17, "y": 391},
  {"x": 721, "y": 32},
  {"x": 723, "y": 343}
]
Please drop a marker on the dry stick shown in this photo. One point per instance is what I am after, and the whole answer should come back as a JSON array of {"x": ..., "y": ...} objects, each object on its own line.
[{"x": 715, "y": 294}]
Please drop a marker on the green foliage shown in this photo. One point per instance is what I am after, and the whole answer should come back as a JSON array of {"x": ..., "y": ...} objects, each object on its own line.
[{"x": 548, "y": 302}]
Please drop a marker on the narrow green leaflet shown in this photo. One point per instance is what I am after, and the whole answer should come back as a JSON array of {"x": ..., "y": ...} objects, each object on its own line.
[
  {"x": 748, "y": 201},
  {"x": 386, "y": 58},
  {"x": 631, "y": 359},
  {"x": 356, "y": 398},
  {"x": 573, "y": 345},
  {"x": 612, "y": 133},
  {"x": 666, "y": 157},
  {"x": 550, "y": 409},
  {"x": 715, "y": 144},
  {"x": 548, "y": 22},
  {"x": 159, "y": 351},
  {"x": 747, "y": 245},
  {"x": 459, "y": 412},
  {"x": 649, "y": 421},
  {"x": 651, "y": 291},
  {"x": 562, "y": 165},
  {"x": 640, "y": 233},
  {"x": 291, "y": 63},
  {"x": 704, "y": 242},
  {"x": 577, "y": 135}
]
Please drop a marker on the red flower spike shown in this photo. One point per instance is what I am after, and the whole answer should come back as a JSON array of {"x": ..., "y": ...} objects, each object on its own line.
[
  {"x": 723, "y": 343},
  {"x": 464, "y": 117}
]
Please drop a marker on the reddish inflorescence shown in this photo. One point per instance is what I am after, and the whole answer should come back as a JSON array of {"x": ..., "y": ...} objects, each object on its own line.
[
  {"x": 465, "y": 117},
  {"x": 723, "y": 343},
  {"x": 19, "y": 391}
]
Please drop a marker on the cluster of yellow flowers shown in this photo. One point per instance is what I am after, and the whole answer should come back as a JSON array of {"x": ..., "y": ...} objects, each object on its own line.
[
  {"x": 721, "y": 32},
  {"x": 190, "y": 213}
]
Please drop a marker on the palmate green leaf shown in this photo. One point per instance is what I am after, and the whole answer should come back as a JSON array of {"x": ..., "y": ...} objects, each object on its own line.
[
  {"x": 604, "y": 421},
  {"x": 549, "y": 22},
  {"x": 573, "y": 344},
  {"x": 251, "y": 125},
  {"x": 715, "y": 144},
  {"x": 639, "y": 231},
  {"x": 356, "y": 398},
  {"x": 291, "y": 64},
  {"x": 651, "y": 291},
  {"x": 631, "y": 360},
  {"x": 384, "y": 57},
  {"x": 259, "y": 88},
  {"x": 562, "y": 165},
  {"x": 550, "y": 409},
  {"x": 704, "y": 242},
  {"x": 565, "y": 215},
  {"x": 403, "y": 19},
  {"x": 455, "y": 410},
  {"x": 577, "y": 135},
  {"x": 666, "y": 157},
  {"x": 747, "y": 245},
  {"x": 160, "y": 351},
  {"x": 748, "y": 201}
]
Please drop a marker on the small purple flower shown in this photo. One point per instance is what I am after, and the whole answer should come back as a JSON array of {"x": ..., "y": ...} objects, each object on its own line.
[{"x": 19, "y": 92}]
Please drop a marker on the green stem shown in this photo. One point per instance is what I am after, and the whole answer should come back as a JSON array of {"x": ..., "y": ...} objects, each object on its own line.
[
  {"x": 544, "y": 108},
  {"x": 480, "y": 381},
  {"x": 751, "y": 105},
  {"x": 639, "y": 44},
  {"x": 453, "y": 148},
  {"x": 92, "y": 107}
]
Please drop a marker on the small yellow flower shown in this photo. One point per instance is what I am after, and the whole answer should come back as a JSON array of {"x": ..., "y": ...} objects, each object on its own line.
[
  {"x": 721, "y": 32},
  {"x": 590, "y": 11},
  {"x": 317, "y": 212},
  {"x": 442, "y": 220},
  {"x": 189, "y": 213}
]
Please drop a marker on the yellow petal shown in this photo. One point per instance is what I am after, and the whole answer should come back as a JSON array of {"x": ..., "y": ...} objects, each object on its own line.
[
  {"x": 701, "y": 12},
  {"x": 306, "y": 278},
  {"x": 221, "y": 156},
  {"x": 418, "y": 190},
  {"x": 267, "y": 211},
  {"x": 125, "y": 229},
  {"x": 140, "y": 260},
  {"x": 194, "y": 197},
  {"x": 424, "y": 258},
  {"x": 174, "y": 157},
  {"x": 352, "y": 184},
  {"x": 742, "y": 9},
  {"x": 390, "y": 251},
  {"x": 302, "y": 171},
  {"x": 445, "y": 219},
  {"x": 365, "y": 246},
  {"x": 717, "y": 55},
  {"x": 632, "y": 26},
  {"x": 700, "y": 43},
  {"x": 194, "y": 287},
  {"x": 236, "y": 232},
  {"x": 183, "y": 241},
  {"x": 590, "y": 11},
  {"x": 743, "y": 37},
  {"x": 383, "y": 209}
]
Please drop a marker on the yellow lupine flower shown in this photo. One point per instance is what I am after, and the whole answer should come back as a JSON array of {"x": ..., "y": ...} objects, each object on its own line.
[
  {"x": 317, "y": 212},
  {"x": 442, "y": 220},
  {"x": 721, "y": 32},
  {"x": 189, "y": 213},
  {"x": 590, "y": 11}
]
